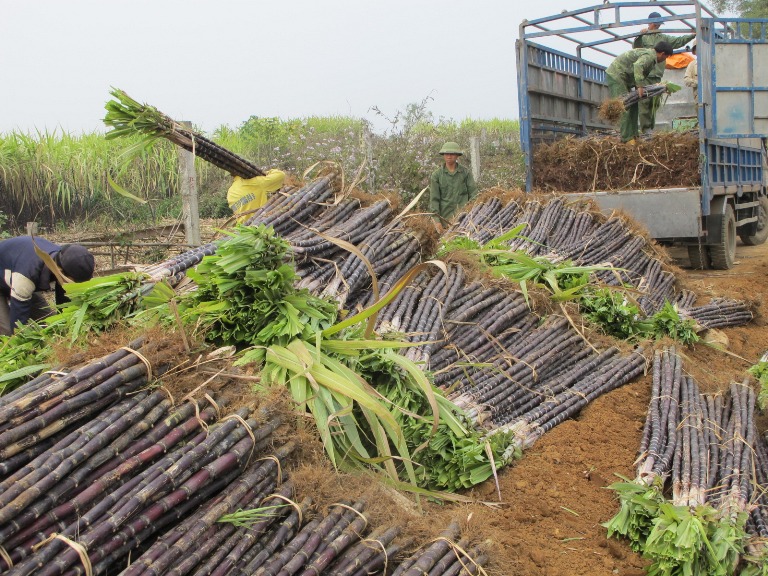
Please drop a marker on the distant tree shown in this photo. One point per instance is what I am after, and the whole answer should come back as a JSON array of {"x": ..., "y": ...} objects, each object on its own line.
[{"x": 744, "y": 8}]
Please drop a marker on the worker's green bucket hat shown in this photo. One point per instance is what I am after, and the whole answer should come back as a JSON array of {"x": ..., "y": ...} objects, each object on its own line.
[{"x": 451, "y": 148}]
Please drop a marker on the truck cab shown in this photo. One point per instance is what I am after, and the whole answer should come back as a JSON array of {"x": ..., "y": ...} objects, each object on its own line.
[{"x": 561, "y": 63}]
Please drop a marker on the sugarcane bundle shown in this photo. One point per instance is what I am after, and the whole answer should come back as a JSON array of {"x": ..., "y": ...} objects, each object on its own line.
[
  {"x": 179, "y": 550},
  {"x": 289, "y": 210},
  {"x": 702, "y": 449},
  {"x": 612, "y": 109},
  {"x": 446, "y": 555},
  {"x": 388, "y": 249},
  {"x": 180, "y": 263},
  {"x": 719, "y": 313},
  {"x": 649, "y": 91},
  {"x": 126, "y": 117},
  {"x": 755, "y": 558}
]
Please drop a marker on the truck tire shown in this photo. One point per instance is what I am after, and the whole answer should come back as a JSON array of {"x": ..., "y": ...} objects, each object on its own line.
[
  {"x": 761, "y": 235},
  {"x": 698, "y": 254},
  {"x": 723, "y": 254}
]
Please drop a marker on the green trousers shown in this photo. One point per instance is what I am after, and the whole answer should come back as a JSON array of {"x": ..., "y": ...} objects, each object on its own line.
[
  {"x": 647, "y": 113},
  {"x": 628, "y": 127},
  {"x": 647, "y": 108}
]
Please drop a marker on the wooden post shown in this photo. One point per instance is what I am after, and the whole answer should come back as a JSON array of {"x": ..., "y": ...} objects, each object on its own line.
[
  {"x": 189, "y": 198},
  {"x": 31, "y": 228},
  {"x": 474, "y": 156},
  {"x": 368, "y": 151}
]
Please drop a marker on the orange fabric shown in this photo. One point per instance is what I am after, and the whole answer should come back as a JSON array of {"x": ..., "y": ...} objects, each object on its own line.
[{"x": 679, "y": 60}]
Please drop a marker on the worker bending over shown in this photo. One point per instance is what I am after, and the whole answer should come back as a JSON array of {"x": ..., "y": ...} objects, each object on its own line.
[
  {"x": 631, "y": 70},
  {"x": 24, "y": 276},
  {"x": 247, "y": 194}
]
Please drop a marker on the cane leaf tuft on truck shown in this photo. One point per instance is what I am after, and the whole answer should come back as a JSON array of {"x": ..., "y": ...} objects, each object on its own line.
[{"x": 695, "y": 174}]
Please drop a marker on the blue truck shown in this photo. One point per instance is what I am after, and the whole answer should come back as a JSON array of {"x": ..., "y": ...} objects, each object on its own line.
[{"x": 560, "y": 90}]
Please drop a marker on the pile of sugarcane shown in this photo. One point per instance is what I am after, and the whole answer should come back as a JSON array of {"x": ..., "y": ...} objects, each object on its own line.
[
  {"x": 500, "y": 363},
  {"x": 553, "y": 229},
  {"x": 700, "y": 479},
  {"x": 127, "y": 117},
  {"x": 560, "y": 232},
  {"x": 454, "y": 322},
  {"x": 159, "y": 488},
  {"x": 563, "y": 232},
  {"x": 80, "y": 493}
]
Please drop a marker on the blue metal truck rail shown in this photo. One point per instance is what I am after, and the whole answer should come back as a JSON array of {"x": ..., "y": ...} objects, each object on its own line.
[{"x": 560, "y": 90}]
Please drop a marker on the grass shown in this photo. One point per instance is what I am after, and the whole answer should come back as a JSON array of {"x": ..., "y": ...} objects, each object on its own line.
[{"x": 55, "y": 178}]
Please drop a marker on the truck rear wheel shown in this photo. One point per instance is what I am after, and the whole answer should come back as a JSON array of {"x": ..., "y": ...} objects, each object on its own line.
[
  {"x": 698, "y": 254},
  {"x": 723, "y": 253},
  {"x": 761, "y": 235}
]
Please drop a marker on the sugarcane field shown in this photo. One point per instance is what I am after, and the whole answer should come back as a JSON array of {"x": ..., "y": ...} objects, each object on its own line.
[{"x": 310, "y": 347}]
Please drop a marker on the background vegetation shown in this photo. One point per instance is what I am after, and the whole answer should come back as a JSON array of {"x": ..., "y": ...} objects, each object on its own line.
[
  {"x": 744, "y": 8},
  {"x": 58, "y": 178}
]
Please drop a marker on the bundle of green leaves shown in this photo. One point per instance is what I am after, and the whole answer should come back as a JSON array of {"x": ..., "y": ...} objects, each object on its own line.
[
  {"x": 564, "y": 280},
  {"x": 246, "y": 294},
  {"x": 93, "y": 307},
  {"x": 23, "y": 354},
  {"x": 617, "y": 315},
  {"x": 679, "y": 540},
  {"x": 97, "y": 304},
  {"x": 639, "y": 505},
  {"x": 454, "y": 456}
]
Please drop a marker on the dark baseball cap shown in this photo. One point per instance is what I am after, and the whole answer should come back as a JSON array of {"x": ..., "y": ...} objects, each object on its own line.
[
  {"x": 76, "y": 262},
  {"x": 654, "y": 16}
]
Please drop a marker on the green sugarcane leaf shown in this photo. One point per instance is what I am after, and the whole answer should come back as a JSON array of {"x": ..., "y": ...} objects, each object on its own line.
[
  {"x": 123, "y": 192},
  {"x": 22, "y": 373},
  {"x": 499, "y": 241},
  {"x": 417, "y": 377},
  {"x": 369, "y": 314}
]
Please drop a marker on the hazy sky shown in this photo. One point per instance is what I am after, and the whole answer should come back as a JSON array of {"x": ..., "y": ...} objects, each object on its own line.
[{"x": 219, "y": 62}]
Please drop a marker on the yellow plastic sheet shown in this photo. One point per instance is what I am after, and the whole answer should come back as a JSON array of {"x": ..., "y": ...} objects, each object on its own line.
[{"x": 247, "y": 194}]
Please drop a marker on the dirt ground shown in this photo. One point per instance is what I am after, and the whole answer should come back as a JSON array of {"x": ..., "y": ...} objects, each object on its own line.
[{"x": 555, "y": 498}]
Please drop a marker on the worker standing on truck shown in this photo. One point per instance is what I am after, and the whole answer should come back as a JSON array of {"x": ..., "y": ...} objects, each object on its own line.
[
  {"x": 451, "y": 186},
  {"x": 649, "y": 37},
  {"x": 24, "y": 275},
  {"x": 631, "y": 70}
]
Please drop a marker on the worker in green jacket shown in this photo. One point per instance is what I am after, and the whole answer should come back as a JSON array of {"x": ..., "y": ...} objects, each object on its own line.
[
  {"x": 631, "y": 70},
  {"x": 451, "y": 186},
  {"x": 648, "y": 38}
]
